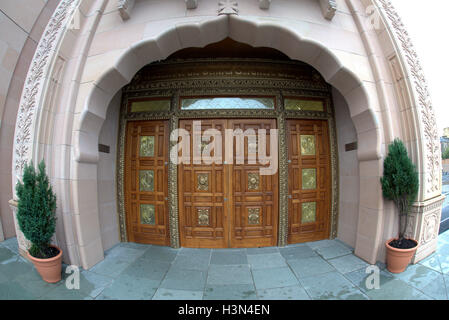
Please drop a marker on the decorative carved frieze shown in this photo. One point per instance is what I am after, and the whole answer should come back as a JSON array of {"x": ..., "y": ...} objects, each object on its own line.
[
  {"x": 35, "y": 83},
  {"x": 328, "y": 7},
  {"x": 191, "y": 4},
  {"x": 227, "y": 7},
  {"x": 124, "y": 8},
  {"x": 264, "y": 4},
  {"x": 424, "y": 103}
]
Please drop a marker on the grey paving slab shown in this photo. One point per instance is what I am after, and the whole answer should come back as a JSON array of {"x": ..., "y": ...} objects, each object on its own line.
[
  {"x": 183, "y": 279},
  {"x": 284, "y": 293},
  {"x": 310, "y": 266},
  {"x": 320, "y": 244},
  {"x": 333, "y": 251},
  {"x": 158, "y": 253},
  {"x": 230, "y": 292},
  {"x": 267, "y": 260},
  {"x": 15, "y": 266},
  {"x": 429, "y": 281},
  {"x": 125, "y": 253},
  {"x": 171, "y": 294},
  {"x": 195, "y": 252},
  {"x": 11, "y": 290},
  {"x": 432, "y": 262},
  {"x": 229, "y": 274},
  {"x": 223, "y": 257},
  {"x": 348, "y": 263},
  {"x": 110, "y": 266},
  {"x": 331, "y": 286},
  {"x": 11, "y": 244},
  {"x": 274, "y": 278},
  {"x": 147, "y": 269},
  {"x": 252, "y": 251},
  {"x": 396, "y": 289},
  {"x": 192, "y": 261},
  {"x": 6, "y": 254},
  {"x": 134, "y": 245},
  {"x": 366, "y": 281},
  {"x": 32, "y": 282},
  {"x": 62, "y": 293},
  {"x": 130, "y": 288},
  {"x": 297, "y": 252}
]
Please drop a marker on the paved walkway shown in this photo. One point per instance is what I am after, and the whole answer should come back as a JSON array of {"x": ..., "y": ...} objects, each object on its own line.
[{"x": 325, "y": 269}]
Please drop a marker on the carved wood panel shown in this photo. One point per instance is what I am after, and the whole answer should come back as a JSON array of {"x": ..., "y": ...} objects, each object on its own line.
[
  {"x": 308, "y": 180},
  {"x": 146, "y": 159}
]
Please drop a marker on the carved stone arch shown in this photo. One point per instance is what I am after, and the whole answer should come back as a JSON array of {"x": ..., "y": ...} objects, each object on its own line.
[{"x": 244, "y": 30}]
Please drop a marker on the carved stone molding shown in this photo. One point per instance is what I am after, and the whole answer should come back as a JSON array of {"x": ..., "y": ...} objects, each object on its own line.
[
  {"x": 124, "y": 8},
  {"x": 424, "y": 103},
  {"x": 227, "y": 7},
  {"x": 264, "y": 4},
  {"x": 329, "y": 8},
  {"x": 35, "y": 84},
  {"x": 423, "y": 225},
  {"x": 191, "y": 4}
]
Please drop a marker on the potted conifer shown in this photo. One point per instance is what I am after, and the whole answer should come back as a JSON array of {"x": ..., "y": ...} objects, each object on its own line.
[
  {"x": 36, "y": 216},
  {"x": 400, "y": 183}
]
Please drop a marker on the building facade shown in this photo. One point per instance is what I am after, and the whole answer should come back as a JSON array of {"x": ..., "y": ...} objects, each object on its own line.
[{"x": 325, "y": 85}]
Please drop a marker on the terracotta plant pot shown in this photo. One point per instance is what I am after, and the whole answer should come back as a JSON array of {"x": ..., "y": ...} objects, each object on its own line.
[
  {"x": 49, "y": 269},
  {"x": 398, "y": 259}
]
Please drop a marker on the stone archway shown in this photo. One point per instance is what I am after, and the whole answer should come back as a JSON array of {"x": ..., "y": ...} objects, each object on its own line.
[{"x": 120, "y": 72}]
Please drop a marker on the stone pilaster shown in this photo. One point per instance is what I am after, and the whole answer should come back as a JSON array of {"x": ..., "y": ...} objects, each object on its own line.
[{"x": 423, "y": 226}]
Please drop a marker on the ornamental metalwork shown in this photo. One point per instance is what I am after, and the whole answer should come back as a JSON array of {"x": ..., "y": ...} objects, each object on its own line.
[
  {"x": 214, "y": 77},
  {"x": 308, "y": 212},
  {"x": 203, "y": 216},
  {"x": 309, "y": 178},
  {"x": 146, "y": 180},
  {"x": 253, "y": 181},
  {"x": 147, "y": 146},
  {"x": 203, "y": 182},
  {"x": 147, "y": 214},
  {"x": 253, "y": 216},
  {"x": 307, "y": 145}
]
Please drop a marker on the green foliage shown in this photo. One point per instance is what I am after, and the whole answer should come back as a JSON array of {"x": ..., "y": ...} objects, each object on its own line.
[
  {"x": 445, "y": 154},
  {"x": 400, "y": 181},
  {"x": 36, "y": 209}
]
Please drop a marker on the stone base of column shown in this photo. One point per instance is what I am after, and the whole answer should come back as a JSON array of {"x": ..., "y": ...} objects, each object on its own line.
[
  {"x": 423, "y": 226},
  {"x": 23, "y": 243}
]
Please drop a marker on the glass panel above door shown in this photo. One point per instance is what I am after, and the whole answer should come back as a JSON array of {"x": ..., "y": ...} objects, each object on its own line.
[
  {"x": 303, "y": 104},
  {"x": 227, "y": 103},
  {"x": 150, "y": 105}
]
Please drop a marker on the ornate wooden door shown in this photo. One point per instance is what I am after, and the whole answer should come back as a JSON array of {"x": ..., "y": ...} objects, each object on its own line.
[
  {"x": 202, "y": 192},
  {"x": 309, "y": 180},
  {"x": 146, "y": 187},
  {"x": 254, "y": 197},
  {"x": 227, "y": 205}
]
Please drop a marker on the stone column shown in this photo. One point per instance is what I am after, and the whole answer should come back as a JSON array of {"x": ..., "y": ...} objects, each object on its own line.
[{"x": 24, "y": 244}]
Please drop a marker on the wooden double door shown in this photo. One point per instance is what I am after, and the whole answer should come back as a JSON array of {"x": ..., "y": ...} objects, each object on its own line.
[
  {"x": 228, "y": 205},
  {"x": 223, "y": 205}
]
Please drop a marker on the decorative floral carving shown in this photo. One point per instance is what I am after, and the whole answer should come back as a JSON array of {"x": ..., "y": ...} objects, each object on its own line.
[
  {"x": 227, "y": 7},
  {"x": 424, "y": 101},
  {"x": 203, "y": 182},
  {"x": 203, "y": 216},
  {"x": 35, "y": 82},
  {"x": 254, "y": 216},
  {"x": 253, "y": 181}
]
